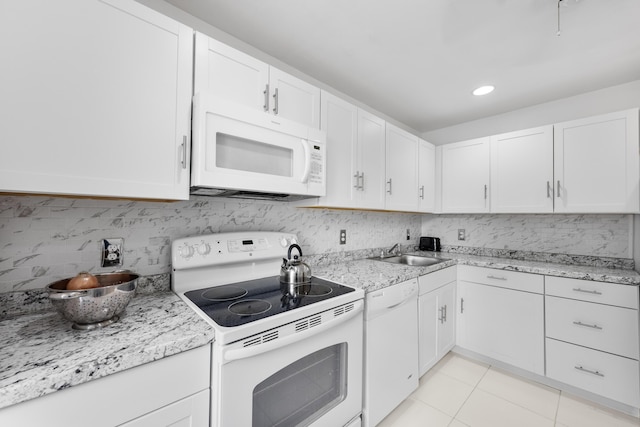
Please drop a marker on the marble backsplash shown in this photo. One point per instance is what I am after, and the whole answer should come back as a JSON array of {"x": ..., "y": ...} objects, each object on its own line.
[
  {"x": 602, "y": 236},
  {"x": 43, "y": 239}
]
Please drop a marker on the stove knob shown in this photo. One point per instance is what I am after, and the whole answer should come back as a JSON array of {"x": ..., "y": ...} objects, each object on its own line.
[
  {"x": 186, "y": 251},
  {"x": 284, "y": 242},
  {"x": 294, "y": 241},
  {"x": 204, "y": 248}
]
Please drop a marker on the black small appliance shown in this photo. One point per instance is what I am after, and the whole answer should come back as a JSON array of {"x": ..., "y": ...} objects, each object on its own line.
[{"x": 430, "y": 244}]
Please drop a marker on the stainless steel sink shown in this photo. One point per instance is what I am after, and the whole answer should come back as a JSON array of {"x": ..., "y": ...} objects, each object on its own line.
[{"x": 406, "y": 259}]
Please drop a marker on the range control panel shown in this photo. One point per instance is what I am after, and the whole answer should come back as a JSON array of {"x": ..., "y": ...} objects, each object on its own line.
[{"x": 229, "y": 248}]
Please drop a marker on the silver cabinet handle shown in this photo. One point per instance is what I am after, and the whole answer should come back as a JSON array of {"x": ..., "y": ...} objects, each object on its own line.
[
  {"x": 558, "y": 192},
  {"x": 461, "y": 305},
  {"x": 586, "y": 291},
  {"x": 389, "y": 190},
  {"x": 357, "y": 177},
  {"x": 441, "y": 314},
  {"x": 362, "y": 185},
  {"x": 594, "y": 326},
  {"x": 266, "y": 98},
  {"x": 485, "y": 191},
  {"x": 275, "y": 102},
  {"x": 422, "y": 192},
  {"x": 183, "y": 146},
  {"x": 445, "y": 313},
  {"x": 589, "y": 371},
  {"x": 496, "y": 277},
  {"x": 549, "y": 196}
]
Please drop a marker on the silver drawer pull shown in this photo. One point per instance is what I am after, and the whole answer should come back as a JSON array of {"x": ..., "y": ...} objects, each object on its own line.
[
  {"x": 580, "y": 368},
  {"x": 586, "y": 291},
  {"x": 594, "y": 326},
  {"x": 496, "y": 278}
]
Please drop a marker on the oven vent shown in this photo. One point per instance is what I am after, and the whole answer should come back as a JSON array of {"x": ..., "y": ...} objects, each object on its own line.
[
  {"x": 310, "y": 322},
  {"x": 344, "y": 309},
  {"x": 261, "y": 339}
]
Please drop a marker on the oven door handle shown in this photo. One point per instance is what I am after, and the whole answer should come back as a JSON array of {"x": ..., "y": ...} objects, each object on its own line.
[{"x": 246, "y": 352}]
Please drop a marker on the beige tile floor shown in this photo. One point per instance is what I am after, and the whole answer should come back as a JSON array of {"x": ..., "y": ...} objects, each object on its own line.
[{"x": 459, "y": 392}]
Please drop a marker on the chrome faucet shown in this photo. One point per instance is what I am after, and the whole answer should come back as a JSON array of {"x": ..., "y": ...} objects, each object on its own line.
[{"x": 393, "y": 248}]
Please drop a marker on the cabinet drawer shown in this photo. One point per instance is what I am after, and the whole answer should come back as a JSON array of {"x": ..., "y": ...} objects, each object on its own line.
[
  {"x": 587, "y": 290},
  {"x": 502, "y": 278},
  {"x": 432, "y": 281},
  {"x": 598, "y": 326},
  {"x": 601, "y": 373}
]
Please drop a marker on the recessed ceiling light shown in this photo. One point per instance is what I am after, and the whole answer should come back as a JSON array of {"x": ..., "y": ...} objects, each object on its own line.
[{"x": 483, "y": 90}]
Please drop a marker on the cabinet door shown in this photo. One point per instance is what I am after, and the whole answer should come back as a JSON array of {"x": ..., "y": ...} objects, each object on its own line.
[
  {"x": 522, "y": 171},
  {"x": 503, "y": 324},
  {"x": 192, "y": 411},
  {"x": 340, "y": 122},
  {"x": 97, "y": 100},
  {"x": 428, "y": 318},
  {"x": 230, "y": 74},
  {"x": 294, "y": 99},
  {"x": 401, "y": 170},
  {"x": 371, "y": 161},
  {"x": 426, "y": 177},
  {"x": 447, "y": 323},
  {"x": 596, "y": 164},
  {"x": 465, "y": 176}
]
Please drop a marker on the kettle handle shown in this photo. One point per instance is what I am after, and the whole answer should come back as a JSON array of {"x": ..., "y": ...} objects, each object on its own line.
[{"x": 292, "y": 247}]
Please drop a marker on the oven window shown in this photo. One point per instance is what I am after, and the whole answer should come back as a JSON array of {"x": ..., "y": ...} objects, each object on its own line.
[
  {"x": 242, "y": 154},
  {"x": 302, "y": 391}
]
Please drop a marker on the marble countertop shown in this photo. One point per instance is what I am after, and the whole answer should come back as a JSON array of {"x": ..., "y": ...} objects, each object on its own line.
[
  {"x": 371, "y": 275},
  {"x": 40, "y": 353}
]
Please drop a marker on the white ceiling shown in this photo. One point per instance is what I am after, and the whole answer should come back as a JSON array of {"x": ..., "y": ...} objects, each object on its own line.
[{"x": 417, "y": 61}]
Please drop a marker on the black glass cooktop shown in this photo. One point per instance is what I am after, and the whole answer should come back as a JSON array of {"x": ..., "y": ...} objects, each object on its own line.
[{"x": 244, "y": 302}]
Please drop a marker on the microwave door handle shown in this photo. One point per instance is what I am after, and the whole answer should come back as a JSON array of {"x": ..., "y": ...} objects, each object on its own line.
[{"x": 307, "y": 161}]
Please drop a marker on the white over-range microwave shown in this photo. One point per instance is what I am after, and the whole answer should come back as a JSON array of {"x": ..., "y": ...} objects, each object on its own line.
[{"x": 245, "y": 153}]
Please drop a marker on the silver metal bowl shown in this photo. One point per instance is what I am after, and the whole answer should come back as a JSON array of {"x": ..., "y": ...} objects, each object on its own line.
[{"x": 96, "y": 307}]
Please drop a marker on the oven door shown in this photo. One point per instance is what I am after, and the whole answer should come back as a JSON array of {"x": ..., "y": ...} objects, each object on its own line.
[{"x": 310, "y": 377}]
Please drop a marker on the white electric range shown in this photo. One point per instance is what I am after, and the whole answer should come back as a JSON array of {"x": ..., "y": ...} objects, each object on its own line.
[{"x": 278, "y": 359}]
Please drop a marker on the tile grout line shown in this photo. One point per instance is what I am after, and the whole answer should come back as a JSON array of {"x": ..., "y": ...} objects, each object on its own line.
[{"x": 465, "y": 400}]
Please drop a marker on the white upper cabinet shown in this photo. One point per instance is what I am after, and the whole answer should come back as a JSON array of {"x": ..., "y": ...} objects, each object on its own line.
[
  {"x": 426, "y": 176},
  {"x": 96, "y": 100},
  {"x": 465, "y": 176},
  {"x": 371, "y": 161},
  {"x": 522, "y": 171},
  {"x": 401, "y": 170},
  {"x": 233, "y": 75},
  {"x": 230, "y": 74},
  {"x": 339, "y": 120},
  {"x": 596, "y": 164},
  {"x": 294, "y": 99}
]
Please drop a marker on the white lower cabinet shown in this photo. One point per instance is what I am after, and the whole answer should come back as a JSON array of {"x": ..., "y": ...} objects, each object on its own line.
[
  {"x": 592, "y": 337},
  {"x": 501, "y": 315},
  {"x": 191, "y": 411},
  {"x": 595, "y": 371},
  {"x": 174, "y": 391},
  {"x": 436, "y": 316}
]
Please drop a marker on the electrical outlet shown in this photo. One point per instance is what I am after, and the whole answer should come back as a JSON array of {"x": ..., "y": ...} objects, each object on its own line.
[
  {"x": 461, "y": 234},
  {"x": 343, "y": 237},
  {"x": 112, "y": 252}
]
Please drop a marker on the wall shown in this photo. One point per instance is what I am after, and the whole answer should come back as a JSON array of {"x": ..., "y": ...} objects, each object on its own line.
[
  {"x": 615, "y": 98},
  {"x": 589, "y": 235},
  {"x": 43, "y": 239}
]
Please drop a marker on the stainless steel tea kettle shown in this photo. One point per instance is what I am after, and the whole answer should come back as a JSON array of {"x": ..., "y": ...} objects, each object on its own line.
[{"x": 294, "y": 271}]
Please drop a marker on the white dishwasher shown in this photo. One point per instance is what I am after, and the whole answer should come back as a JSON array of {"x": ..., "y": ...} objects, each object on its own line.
[{"x": 391, "y": 349}]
